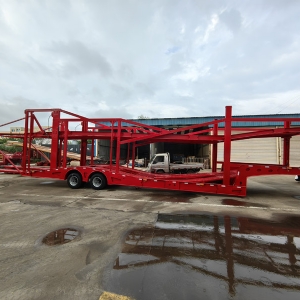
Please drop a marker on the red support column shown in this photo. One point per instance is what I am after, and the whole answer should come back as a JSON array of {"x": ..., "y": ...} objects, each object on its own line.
[
  {"x": 83, "y": 147},
  {"x": 118, "y": 150},
  {"x": 65, "y": 143},
  {"x": 54, "y": 142},
  {"x": 133, "y": 155},
  {"x": 128, "y": 149},
  {"x": 60, "y": 147},
  {"x": 215, "y": 149},
  {"x": 111, "y": 143},
  {"x": 31, "y": 131},
  {"x": 92, "y": 151},
  {"x": 286, "y": 146},
  {"x": 227, "y": 145},
  {"x": 25, "y": 142}
]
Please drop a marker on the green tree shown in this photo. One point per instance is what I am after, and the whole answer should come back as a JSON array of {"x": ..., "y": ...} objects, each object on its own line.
[{"x": 143, "y": 117}]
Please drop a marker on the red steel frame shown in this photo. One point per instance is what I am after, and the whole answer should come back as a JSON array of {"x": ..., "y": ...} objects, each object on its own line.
[{"x": 232, "y": 180}]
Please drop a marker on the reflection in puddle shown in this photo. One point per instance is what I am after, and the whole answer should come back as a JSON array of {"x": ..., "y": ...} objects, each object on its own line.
[
  {"x": 235, "y": 202},
  {"x": 209, "y": 257},
  {"x": 61, "y": 236}
]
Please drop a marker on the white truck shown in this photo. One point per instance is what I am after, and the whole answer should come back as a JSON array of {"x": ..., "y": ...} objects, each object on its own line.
[{"x": 160, "y": 163}]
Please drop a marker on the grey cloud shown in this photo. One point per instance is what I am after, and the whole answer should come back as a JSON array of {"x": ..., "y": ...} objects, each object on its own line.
[
  {"x": 13, "y": 109},
  {"x": 80, "y": 58},
  {"x": 232, "y": 19},
  {"x": 113, "y": 112}
]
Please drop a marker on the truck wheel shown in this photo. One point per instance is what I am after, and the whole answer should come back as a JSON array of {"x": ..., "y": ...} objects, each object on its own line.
[
  {"x": 98, "y": 181},
  {"x": 297, "y": 177},
  {"x": 74, "y": 180},
  {"x": 160, "y": 171}
]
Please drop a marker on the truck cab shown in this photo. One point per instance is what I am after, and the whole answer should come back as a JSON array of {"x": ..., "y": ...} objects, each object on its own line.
[{"x": 159, "y": 163}]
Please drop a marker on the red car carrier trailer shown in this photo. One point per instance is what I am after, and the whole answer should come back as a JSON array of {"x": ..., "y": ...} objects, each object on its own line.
[{"x": 231, "y": 180}]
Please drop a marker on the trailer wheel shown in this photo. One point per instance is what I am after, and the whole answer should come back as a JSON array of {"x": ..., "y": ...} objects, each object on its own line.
[
  {"x": 74, "y": 180},
  {"x": 98, "y": 181}
]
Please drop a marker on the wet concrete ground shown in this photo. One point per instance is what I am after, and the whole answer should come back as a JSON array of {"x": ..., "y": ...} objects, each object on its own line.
[{"x": 58, "y": 243}]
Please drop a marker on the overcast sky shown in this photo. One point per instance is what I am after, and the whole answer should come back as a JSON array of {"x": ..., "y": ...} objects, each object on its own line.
[{"x": 158, "y": 58}]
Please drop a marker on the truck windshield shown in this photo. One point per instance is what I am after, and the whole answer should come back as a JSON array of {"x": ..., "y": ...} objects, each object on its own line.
[{"x": 157, "y": 158}]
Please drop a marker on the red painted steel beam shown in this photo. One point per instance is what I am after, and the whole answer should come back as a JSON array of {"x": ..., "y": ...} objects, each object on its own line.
[
  {"x": 215, "y": 149},
  {"x": 12, "y": 122},
  {"x": 264, "y": 133},
  {"x": 242, "y": 119},
  {"x": 55, "y": 139},
  {"x": 227, "y": 145},
  {"x": 25, "y": 142},
  {"x": 286, "y": 146},
  {"x": 65, "y": 139},
  {"x": 118, "y": 147},
  {"x": 83, "y": 146}
]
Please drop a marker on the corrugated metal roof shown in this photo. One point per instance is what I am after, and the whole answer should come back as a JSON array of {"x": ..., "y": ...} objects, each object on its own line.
[{"x": 198, "y": 120}]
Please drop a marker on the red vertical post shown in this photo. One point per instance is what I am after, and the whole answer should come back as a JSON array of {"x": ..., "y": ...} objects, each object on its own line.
[
  {"x": 111, "y": 143},
  {"x": 133, "y": 155},
  {"x": 92, "y": 151},
  {"x": 66, "y": 125},
  {"x": 215, "y": 148},
  {"x": 227, "y": 145},
  {"x": 59, "y": 160},
  {"x": 31, "y": 130},
  {"x": 54, "y": 142},
  {"x": 118, "y": 150},
  {"x": 25, "y": 142},
  {"x": 286, "y": 146},
  {"x": 83, "y": 147},
  {"x": 128, "y": 149}
]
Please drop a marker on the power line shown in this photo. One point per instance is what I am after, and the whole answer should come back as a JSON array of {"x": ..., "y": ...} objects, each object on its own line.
[{"x": 289, "y": 104}]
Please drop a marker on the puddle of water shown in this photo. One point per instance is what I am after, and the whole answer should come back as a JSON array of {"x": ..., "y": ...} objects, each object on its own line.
[
  {"x": 60, "y": 236},
  {"x": 297, "y": 197},
  {"x": 15, "y": 201},
  {"x": 47, "y": 182},
  {"x": 235, "y": 202},
  {"x": 209, "y": 257}
]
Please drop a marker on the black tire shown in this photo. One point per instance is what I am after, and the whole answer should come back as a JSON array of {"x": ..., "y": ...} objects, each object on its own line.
[
  {"x": 98, "y": 181},
  {"x": 160, "y": 172},
  {"x": 297, "y": 177},
  {"x": 74, "y": 180}
]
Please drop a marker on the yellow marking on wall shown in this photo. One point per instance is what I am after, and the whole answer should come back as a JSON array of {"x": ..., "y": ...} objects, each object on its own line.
[{"x": 111, "y": 296}]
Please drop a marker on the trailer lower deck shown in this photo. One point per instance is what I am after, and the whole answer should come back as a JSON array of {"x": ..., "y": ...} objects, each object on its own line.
[{"x": 204, "y": 182}]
